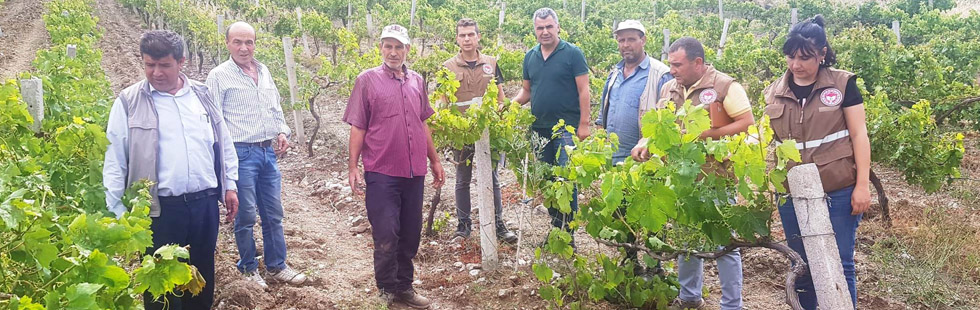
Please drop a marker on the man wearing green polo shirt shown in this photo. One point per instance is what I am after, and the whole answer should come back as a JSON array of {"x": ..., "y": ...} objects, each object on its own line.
[{"x": 556, "y": 82}]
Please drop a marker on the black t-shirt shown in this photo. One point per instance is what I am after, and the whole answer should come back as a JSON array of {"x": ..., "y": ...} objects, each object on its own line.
[
  {"x": 852, "y": 95},
  {"x": 500, "y": 76}
]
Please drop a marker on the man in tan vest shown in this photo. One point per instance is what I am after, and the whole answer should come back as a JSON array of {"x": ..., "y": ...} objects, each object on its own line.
[
  {"x": 168, "y": 130},
  {"x": 728, "y": 107},
  {"x": 474, "y": 72}
]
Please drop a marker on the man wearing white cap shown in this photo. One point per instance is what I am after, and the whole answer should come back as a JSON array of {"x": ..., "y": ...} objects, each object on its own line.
[
  {"x": 632, "y": 88},
  {"x": 387, "y": 110}
]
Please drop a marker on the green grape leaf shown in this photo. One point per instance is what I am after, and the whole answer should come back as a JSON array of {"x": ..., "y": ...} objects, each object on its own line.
[
  {"x": 543, "y": 273},
  {"x": 38, "y": 243},
  {"x": 787, "y": 151},
  {"x": 9, "y": 213},
  {"x": 82, "y": 296}
]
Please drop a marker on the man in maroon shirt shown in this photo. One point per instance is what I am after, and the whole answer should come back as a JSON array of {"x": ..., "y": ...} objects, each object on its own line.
[{"x": 387, "y": 112}]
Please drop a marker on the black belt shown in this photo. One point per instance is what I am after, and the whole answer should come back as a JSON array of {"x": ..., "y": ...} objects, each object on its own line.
[
  {"x": 266, "y": 143},
  {"x": 190, "y": 196}
]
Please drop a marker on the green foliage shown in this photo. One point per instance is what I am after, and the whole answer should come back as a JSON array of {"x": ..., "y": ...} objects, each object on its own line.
[
  {"x": 596, "y": 279},
  {"x": 161, "y": 272},
  {"x": 440, "y": 222},
  {"x": 508, "y": 126},
  {"x": 58, "y": 249},
  {"x": 347, "y": 61},
  {"x": 455, "y": 129},
  {"x": 910, "y": 140},
  {"x": 683, "y": 199},
  {"x": 196, "y": 24}
]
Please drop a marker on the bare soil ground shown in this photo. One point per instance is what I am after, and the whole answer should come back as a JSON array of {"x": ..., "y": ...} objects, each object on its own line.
[
  {"x": 23, "y": 35},
  {"x": 119, "y": 44},
  {"x": 322, "y": 218}
]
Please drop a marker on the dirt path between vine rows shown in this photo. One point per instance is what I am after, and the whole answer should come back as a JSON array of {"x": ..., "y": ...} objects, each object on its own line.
[
  {"x": 23, "y": 35},
  {"x": 119, "y": 44}
]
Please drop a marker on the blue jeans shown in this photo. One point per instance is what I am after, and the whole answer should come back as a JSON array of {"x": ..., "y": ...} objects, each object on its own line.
[
  {"x": 690, "y": 274},
  {"x": 259, "y": 191},
  {"x": 557, "y": 146},
  {"x": 845, "y": 231}
]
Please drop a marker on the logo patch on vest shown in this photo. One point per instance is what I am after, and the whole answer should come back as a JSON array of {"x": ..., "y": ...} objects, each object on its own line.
[
  {"x": 831, "y": 97},
  {"x": 487, "y": 69},
  {"x": 708, "y": 96}
]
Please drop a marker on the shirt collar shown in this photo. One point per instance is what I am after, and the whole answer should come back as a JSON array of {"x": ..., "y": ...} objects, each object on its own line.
[
  {"x": 391, "y": 73},
  {"x": 644, "y": 64},
  {"x": 258, "y": 65},
  {"x": 561, "y": 45},
  {"x": 182, "y": 91}
]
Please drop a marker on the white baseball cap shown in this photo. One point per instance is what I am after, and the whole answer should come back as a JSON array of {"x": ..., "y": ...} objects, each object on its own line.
[
  {"x": 396, "y": 31},
  {"x": 631, "y": 24}
]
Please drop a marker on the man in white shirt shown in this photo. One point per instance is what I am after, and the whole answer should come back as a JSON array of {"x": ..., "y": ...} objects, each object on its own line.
[
  {"x": 244, "y": 90},
  {"x": 166, "y": 129}
]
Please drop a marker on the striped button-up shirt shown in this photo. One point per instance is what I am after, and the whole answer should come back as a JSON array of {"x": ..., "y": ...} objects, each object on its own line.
[
  {"x": 392, "y": 111},
  {"x": 252, "y": 110}
]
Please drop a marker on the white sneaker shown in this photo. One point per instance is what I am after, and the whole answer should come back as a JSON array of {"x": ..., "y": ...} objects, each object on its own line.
[
  {"x": 255, "y": 277},
  {"x": 290, "y": 276}
]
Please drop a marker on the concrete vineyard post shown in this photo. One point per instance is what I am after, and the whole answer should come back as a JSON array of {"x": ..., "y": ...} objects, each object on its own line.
[
  {"x": 32, "y": 92},
  {"x": 818, "y": 238},
  {"x": 287, "y": 46}
]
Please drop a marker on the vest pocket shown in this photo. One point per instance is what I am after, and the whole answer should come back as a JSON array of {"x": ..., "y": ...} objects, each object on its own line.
[
  {"x": 836, "y": 165},
  {"x": 777, "y": 121},
  {"x": 142, "y": 124},
  {"x": 775, "y": 110}
]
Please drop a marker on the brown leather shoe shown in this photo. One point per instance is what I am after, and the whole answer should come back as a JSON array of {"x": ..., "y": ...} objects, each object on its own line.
[{"x": 412, "y": 299}]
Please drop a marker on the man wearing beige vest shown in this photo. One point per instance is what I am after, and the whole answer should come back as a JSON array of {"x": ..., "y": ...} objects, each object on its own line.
[
  {"x": 474, "y": 71},
  {"x": 730, "y": 113},
  {"x": 168, "y": 130}
]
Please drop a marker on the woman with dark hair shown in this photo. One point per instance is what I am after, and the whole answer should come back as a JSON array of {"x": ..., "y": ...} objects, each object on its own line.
[{"x": 822, "y": 110}]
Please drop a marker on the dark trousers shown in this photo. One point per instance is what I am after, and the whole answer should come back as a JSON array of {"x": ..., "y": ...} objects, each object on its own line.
[
  {"x": 554, "y": 154},
  {"x": 193, "y": 223},
  {"x": 464, "y": 173},
  {"x": 394, "y": 208}
]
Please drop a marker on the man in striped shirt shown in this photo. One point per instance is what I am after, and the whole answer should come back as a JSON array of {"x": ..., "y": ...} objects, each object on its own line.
[
  {"x": 387, "y": 111},
  {"x": 244, "y": 90}
]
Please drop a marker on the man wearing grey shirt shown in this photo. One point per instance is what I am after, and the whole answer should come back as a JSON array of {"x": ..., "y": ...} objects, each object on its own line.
[
  {"x": 244, "y": 90},
  {"x": 167, "y": 129}
]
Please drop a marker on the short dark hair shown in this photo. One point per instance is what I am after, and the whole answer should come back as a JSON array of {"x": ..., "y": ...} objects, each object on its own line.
[
  {"x": 467, "y": 22},
  {"x": 691, "y": 46},
  {"x": 160, "y": 43},
  {"x": 809, "y": 38},
  {"x": 544, "y": 13}
]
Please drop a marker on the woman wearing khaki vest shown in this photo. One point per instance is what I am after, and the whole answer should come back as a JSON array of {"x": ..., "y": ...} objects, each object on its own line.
[{"x": 822, "y": 110}]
